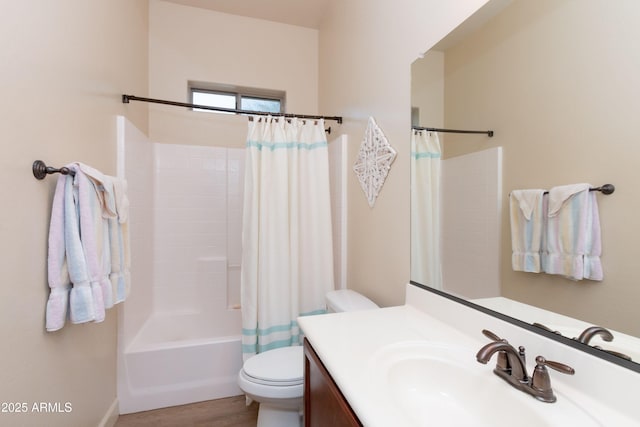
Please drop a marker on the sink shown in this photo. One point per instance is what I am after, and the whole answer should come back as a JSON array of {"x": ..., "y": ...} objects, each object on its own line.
[{"x": 442, "y": 384}]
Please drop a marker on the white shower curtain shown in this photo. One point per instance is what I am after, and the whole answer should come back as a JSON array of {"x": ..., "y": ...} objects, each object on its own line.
[
  {"x": 426, "y": 262},
  {"x": 287, "y": 256}
]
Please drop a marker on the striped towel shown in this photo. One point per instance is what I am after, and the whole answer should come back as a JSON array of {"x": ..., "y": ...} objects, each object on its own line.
[
  {"x": 573, "y": 241},
  {"x": 527, "y": 226}
]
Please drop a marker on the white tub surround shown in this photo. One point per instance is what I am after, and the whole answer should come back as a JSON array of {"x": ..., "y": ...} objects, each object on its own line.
[
  {"x": 179, "y": 332},
  {"x": 359, "y": 349},
  {"x": 178, "y": 359}
]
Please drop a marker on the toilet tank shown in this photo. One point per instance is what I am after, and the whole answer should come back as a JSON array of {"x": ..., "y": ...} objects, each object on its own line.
[{"x": 347, "y": 300}]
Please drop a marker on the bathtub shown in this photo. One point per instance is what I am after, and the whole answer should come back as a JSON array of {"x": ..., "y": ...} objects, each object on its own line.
[{"x": 180, "y": 358}]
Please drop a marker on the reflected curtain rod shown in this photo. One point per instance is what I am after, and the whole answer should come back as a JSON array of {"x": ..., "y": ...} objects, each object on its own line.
[
  {"x": 127, "y": 98},
  {"x": 488, "y": 132}
]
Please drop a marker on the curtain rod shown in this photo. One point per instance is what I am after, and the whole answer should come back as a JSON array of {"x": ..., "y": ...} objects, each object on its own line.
[
  {"x": 488, "y": 132},
  {"x": 127, "y": 98}
]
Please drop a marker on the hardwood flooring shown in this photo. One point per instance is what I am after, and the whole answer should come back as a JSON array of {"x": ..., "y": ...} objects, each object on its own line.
[{"x": 228, "y": 412}]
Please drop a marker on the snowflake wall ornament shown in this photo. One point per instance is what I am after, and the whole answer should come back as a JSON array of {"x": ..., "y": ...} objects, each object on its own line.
[{"x": 374, "y": 161}]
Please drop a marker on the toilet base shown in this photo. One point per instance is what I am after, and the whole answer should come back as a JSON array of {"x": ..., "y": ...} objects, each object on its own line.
[{"x": 272, "y": 416}]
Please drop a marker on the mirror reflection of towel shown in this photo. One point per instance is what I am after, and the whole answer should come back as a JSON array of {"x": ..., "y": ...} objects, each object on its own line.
[
  {"x": 573, "y": 240},
  {"x": 527, "y": 226}
]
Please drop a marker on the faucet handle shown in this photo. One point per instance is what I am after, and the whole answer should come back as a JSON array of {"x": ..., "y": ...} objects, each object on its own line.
[
  {"x": 487, "y": 333},
  {"x": 560, "y": 367},
  {"x": 615, "y": 353},
  {"x": 541, "y": 382},
  {"x": 546, "y": 328}
]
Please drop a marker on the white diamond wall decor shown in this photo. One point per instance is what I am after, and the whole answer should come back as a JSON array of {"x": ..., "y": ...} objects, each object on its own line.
[{"x": 374, "y": 161}]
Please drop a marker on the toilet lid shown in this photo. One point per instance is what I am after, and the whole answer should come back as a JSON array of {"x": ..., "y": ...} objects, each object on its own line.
[{"x": 283, "y": 365}]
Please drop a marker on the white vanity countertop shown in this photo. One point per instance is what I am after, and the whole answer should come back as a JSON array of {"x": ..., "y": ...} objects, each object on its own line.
[{"x": 350, "y": 343}]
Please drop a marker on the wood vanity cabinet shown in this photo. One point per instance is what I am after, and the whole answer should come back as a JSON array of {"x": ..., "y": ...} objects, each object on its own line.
[{"x": 324, "y": 404}]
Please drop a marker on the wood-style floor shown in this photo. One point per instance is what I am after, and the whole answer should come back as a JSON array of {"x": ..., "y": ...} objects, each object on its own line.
[{"x": 228, "y": 412}]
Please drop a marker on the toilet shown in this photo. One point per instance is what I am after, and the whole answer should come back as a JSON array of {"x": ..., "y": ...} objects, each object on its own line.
[{"x": 275, "y": 378}]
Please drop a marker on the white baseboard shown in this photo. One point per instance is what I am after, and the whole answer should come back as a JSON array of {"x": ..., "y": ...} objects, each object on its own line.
[{"x": 111, "y": 416}]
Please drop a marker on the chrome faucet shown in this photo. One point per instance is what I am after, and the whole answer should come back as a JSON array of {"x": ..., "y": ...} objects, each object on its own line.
[{"x": 511, "y": 367}]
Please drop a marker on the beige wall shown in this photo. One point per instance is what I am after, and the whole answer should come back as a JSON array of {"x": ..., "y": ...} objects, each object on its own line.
[
  {"x": 187, "y": 43},
  {"x": 366, "y": 50},
  {"x": 71, "y": 60},
  {"x": 557, "y": 83},
  {"x": 64, "y": 65},
  {"x": 427, "y": 90}
]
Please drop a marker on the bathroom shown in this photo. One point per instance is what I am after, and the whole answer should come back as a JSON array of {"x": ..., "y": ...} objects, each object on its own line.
[{"x": 360, "y": 53}]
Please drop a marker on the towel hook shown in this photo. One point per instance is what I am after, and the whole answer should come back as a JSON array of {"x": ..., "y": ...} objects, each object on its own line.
[{"x": 40, "y": 170}]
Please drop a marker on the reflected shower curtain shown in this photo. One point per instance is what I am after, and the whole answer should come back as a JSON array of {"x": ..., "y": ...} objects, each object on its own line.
[
  {"x": 287, "y": 255},
  {"x": 426, "y": 262}
]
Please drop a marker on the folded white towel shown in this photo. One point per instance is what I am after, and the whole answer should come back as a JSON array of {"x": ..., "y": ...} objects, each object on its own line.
[
  {"x": 559, "y": 195},
  {"x": 58, "y": 275},
  {"x": 88, "y": 225},
  {"x": 92, "y": 229},
  {"x": 573, "y": 241},
  {"x": 527, "y": 227},
  {"x": 104, "y": 199},
  {"x": 119, "y": 242},
  {"x": 122, "y": 207},
  {"x": 103, "y": 193},
  {"x": 81, "y": 304},
  {"x": 121, "y": 199}
]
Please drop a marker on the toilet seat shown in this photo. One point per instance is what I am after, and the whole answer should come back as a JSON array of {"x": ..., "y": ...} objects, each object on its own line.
[
  {"x": 269, "y": 392},
  {"x": 280, "y": 367}
]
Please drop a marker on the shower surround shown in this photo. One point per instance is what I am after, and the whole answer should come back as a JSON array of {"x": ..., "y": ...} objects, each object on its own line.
[{"x": 179, "y": 332}]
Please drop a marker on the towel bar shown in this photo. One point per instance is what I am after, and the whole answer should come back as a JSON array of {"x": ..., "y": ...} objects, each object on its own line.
[
  {"x": 604, "y": 189},
  {"x": 40, "y": 170}
]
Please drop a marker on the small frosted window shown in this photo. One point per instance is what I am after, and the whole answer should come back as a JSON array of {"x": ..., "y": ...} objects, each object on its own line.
[
  {"x": 235, "y": 98},
  {"x": 211, "y": 99},
  {"x": 260, "y": 104}
]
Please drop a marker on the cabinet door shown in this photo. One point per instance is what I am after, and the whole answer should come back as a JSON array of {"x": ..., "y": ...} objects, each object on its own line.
[{"x": 324, "y": 404}]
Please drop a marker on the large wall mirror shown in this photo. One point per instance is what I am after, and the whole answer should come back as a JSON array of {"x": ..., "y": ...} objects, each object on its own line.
[{"x": 558, "y": 81}]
